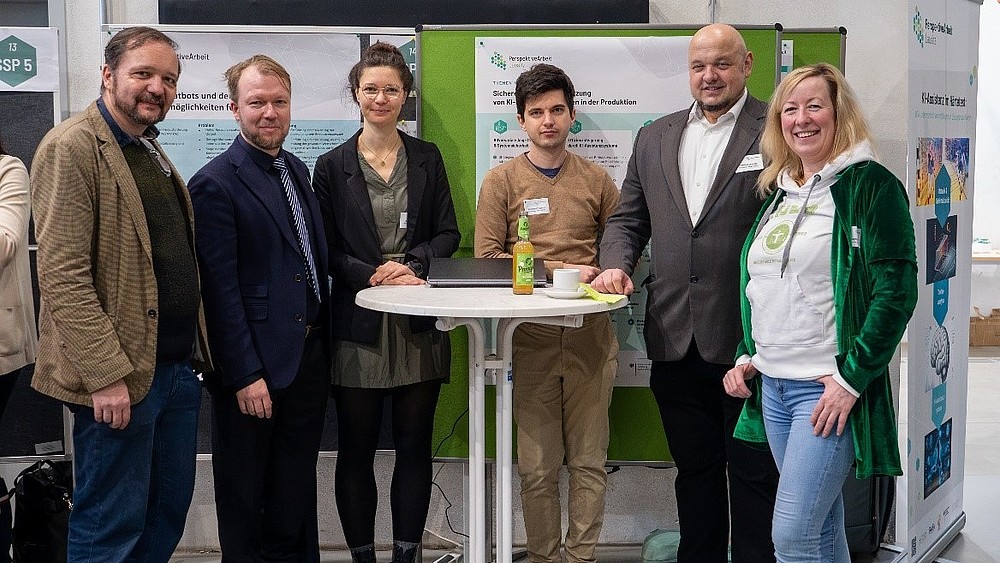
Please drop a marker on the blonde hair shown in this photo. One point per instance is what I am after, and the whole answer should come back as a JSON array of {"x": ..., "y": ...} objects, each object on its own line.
[
  {"x": 264, "y": 64},
  {"x": 850, "y": 127}
]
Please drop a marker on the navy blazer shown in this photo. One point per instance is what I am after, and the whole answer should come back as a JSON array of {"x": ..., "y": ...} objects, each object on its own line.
[
  {"x": 253, "y": 275},
  {"x": 355, "y": 248}
]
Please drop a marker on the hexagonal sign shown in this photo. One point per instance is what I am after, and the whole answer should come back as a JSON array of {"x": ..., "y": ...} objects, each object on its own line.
[
  {"x": 18, "y": 61},
  {"x": 576, "y": 127},
  {"x": 500, "y": 127}
]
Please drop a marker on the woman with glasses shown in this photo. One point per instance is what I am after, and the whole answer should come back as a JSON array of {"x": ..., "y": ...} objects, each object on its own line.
[{"x": 388, "y": 210}]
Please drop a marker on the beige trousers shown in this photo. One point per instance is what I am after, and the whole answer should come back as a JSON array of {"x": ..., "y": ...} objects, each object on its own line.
[{"x": 562, "y": 390}]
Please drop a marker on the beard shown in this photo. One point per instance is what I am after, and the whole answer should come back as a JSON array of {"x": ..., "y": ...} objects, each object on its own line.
[
  {"x": 723, "y": 105},
  {"x": 262, "y": 142},
  {"x": 131, "y": 109}
]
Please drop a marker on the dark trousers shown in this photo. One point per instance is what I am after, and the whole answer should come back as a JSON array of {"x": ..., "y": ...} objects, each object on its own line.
[
  {"x": 7, "y": 383},
  {"x": 698, "y": 420},
  {"x": 134, "y": 485},
  {"x": 265, "y": 469},
  {"x": 359, "y": 414}
]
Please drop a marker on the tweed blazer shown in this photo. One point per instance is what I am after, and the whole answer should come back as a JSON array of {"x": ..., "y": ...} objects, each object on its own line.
[
  {"x": 692, "y": 291},
  {"x": 18, "y": 338},
  {"x": 98, "y": 316}
]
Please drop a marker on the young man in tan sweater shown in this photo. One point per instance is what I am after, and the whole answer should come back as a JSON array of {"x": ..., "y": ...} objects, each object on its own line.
[{"x": 562, "y": 376}]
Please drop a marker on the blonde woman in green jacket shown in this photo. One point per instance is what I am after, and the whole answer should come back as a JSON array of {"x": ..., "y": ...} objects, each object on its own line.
[{"x": 829, "y": 280}]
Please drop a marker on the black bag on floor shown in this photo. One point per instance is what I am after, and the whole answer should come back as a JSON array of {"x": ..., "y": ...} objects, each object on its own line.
[
  {"x": 43, "y": 496},
  {"x": 5, "y": 521},
  {"x": 867, "y": 509}
]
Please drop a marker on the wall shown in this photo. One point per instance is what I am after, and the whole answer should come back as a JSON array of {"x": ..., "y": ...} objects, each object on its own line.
[
  {"x": 987, "y": 165},
  {"x": 639, "y": 499},
  {"x": 986, "y": 173}
]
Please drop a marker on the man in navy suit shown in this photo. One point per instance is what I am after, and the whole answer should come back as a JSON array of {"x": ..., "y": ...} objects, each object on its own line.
[{"x": 264, "y": 280}]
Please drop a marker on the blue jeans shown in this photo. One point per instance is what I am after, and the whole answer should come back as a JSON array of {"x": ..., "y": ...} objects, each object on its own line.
[
  {"x": 134, "y": 486},
  {"x": 808, "y": 525}
]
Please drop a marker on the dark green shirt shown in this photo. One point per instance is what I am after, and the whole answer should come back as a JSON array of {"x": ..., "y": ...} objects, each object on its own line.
[{"x": 173, "y": 256}]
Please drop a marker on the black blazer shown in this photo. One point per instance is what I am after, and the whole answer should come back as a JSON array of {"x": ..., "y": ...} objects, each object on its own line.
[
  {"x": 252, "y": 269},
  {"x": 431, "y": 228}
]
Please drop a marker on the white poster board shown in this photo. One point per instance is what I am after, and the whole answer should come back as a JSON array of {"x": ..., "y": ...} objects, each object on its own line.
[{"x": 200, "y": 124}]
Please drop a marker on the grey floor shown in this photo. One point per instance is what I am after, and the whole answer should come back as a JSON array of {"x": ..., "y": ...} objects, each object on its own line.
[{"x": 979, "y": 541}]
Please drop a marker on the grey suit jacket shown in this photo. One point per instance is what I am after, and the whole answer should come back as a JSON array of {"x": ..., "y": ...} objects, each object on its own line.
[{"x": 693, "y": 286}]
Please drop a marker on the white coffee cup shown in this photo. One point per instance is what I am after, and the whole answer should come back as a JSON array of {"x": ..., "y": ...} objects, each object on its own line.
[{"x": 565, "y": 279}]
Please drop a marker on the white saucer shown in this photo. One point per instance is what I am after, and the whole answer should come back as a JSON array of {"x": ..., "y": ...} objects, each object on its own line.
[{"x": 563, "y": 293}]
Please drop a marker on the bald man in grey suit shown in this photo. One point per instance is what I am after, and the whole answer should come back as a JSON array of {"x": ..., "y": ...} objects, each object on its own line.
[{"x": 690, "y": 190}]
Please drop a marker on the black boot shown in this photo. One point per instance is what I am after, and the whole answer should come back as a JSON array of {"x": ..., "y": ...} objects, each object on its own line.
[
  {"x": 364, "y": 554},
  {"x": 404, "y": 552}
]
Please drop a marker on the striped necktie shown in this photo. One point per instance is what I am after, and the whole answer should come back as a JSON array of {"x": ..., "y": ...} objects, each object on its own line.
[{"x": 301, "y": 230}]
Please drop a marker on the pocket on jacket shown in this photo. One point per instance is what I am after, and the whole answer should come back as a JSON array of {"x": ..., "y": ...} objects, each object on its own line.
[
  {"x": 254, "y": 301},
  {"x": 781, "y": 314},
  {"x": 11, "y": 331}
]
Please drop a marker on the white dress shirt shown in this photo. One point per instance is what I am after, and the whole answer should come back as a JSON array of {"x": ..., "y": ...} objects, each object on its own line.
[{"x": 702, "y": 145}]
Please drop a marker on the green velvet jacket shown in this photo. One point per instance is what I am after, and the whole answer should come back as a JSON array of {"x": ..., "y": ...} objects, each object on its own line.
[{"x": 875, "y": 291}]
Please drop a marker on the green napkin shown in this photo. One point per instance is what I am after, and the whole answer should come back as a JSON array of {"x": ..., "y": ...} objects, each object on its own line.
[{"x": 598, "y": 296}]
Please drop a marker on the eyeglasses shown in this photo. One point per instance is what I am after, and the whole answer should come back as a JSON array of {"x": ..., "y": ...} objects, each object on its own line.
[
  {"x": 391, "y": 92},
  {"x": 164, "y": 165}
]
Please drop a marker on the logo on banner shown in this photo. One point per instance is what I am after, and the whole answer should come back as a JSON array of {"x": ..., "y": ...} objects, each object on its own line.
[
  {"x": 498, "y": 61},
  {"x": 517, "y": 62},
  {"x": 500, "y": 126},
  {"x": 918, "y": 27},
  {"x": 927, "y": 31}
]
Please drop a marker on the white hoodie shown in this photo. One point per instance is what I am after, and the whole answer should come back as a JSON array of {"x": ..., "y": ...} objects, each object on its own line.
[{"x": 791, "y": 286}]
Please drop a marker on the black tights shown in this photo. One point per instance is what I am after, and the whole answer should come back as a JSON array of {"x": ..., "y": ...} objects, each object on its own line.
[{"x": 359, "y": 418}]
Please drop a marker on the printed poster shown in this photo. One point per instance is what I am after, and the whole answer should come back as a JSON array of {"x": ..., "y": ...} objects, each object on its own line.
[{"x": 200, "y": 124}]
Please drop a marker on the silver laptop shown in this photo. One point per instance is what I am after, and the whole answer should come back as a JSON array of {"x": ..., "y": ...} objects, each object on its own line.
[{"x": 477, "y": 272}]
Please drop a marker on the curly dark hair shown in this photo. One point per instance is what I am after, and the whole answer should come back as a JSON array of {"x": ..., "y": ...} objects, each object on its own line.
[{"x": 539, "y": 79}]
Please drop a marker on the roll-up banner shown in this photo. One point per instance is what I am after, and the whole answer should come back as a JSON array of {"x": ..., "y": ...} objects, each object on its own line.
[{"x": 943, "y": 45}]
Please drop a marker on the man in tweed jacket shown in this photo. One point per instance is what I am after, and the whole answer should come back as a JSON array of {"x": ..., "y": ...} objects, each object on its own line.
[{"x": 121, "y": 318}]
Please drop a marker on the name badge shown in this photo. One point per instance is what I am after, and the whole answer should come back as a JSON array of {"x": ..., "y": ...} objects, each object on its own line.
[
  {"x": 402, "y": 220},
  {"x": 855, "y": 236},
  {"x": 751, "y": 162},
  {"x": 538, "y": 206}
]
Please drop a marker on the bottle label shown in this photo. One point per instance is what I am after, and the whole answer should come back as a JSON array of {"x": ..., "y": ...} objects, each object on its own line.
[
  {"x": 525, "y": 269},
  {"x": 522, "y": 228}
]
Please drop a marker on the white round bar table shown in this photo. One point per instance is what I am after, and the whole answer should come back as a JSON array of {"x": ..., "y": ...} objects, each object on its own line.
[{"x": 473, "y": 307}]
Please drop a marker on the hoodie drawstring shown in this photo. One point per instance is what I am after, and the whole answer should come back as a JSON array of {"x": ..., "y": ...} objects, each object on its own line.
[{"x": 795, "y": 225}]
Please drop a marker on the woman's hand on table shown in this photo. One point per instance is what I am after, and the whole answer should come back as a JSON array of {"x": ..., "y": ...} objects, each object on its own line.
[
  {"x": 390, "y": 271},
  {"x": 405, "y": 279}
]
